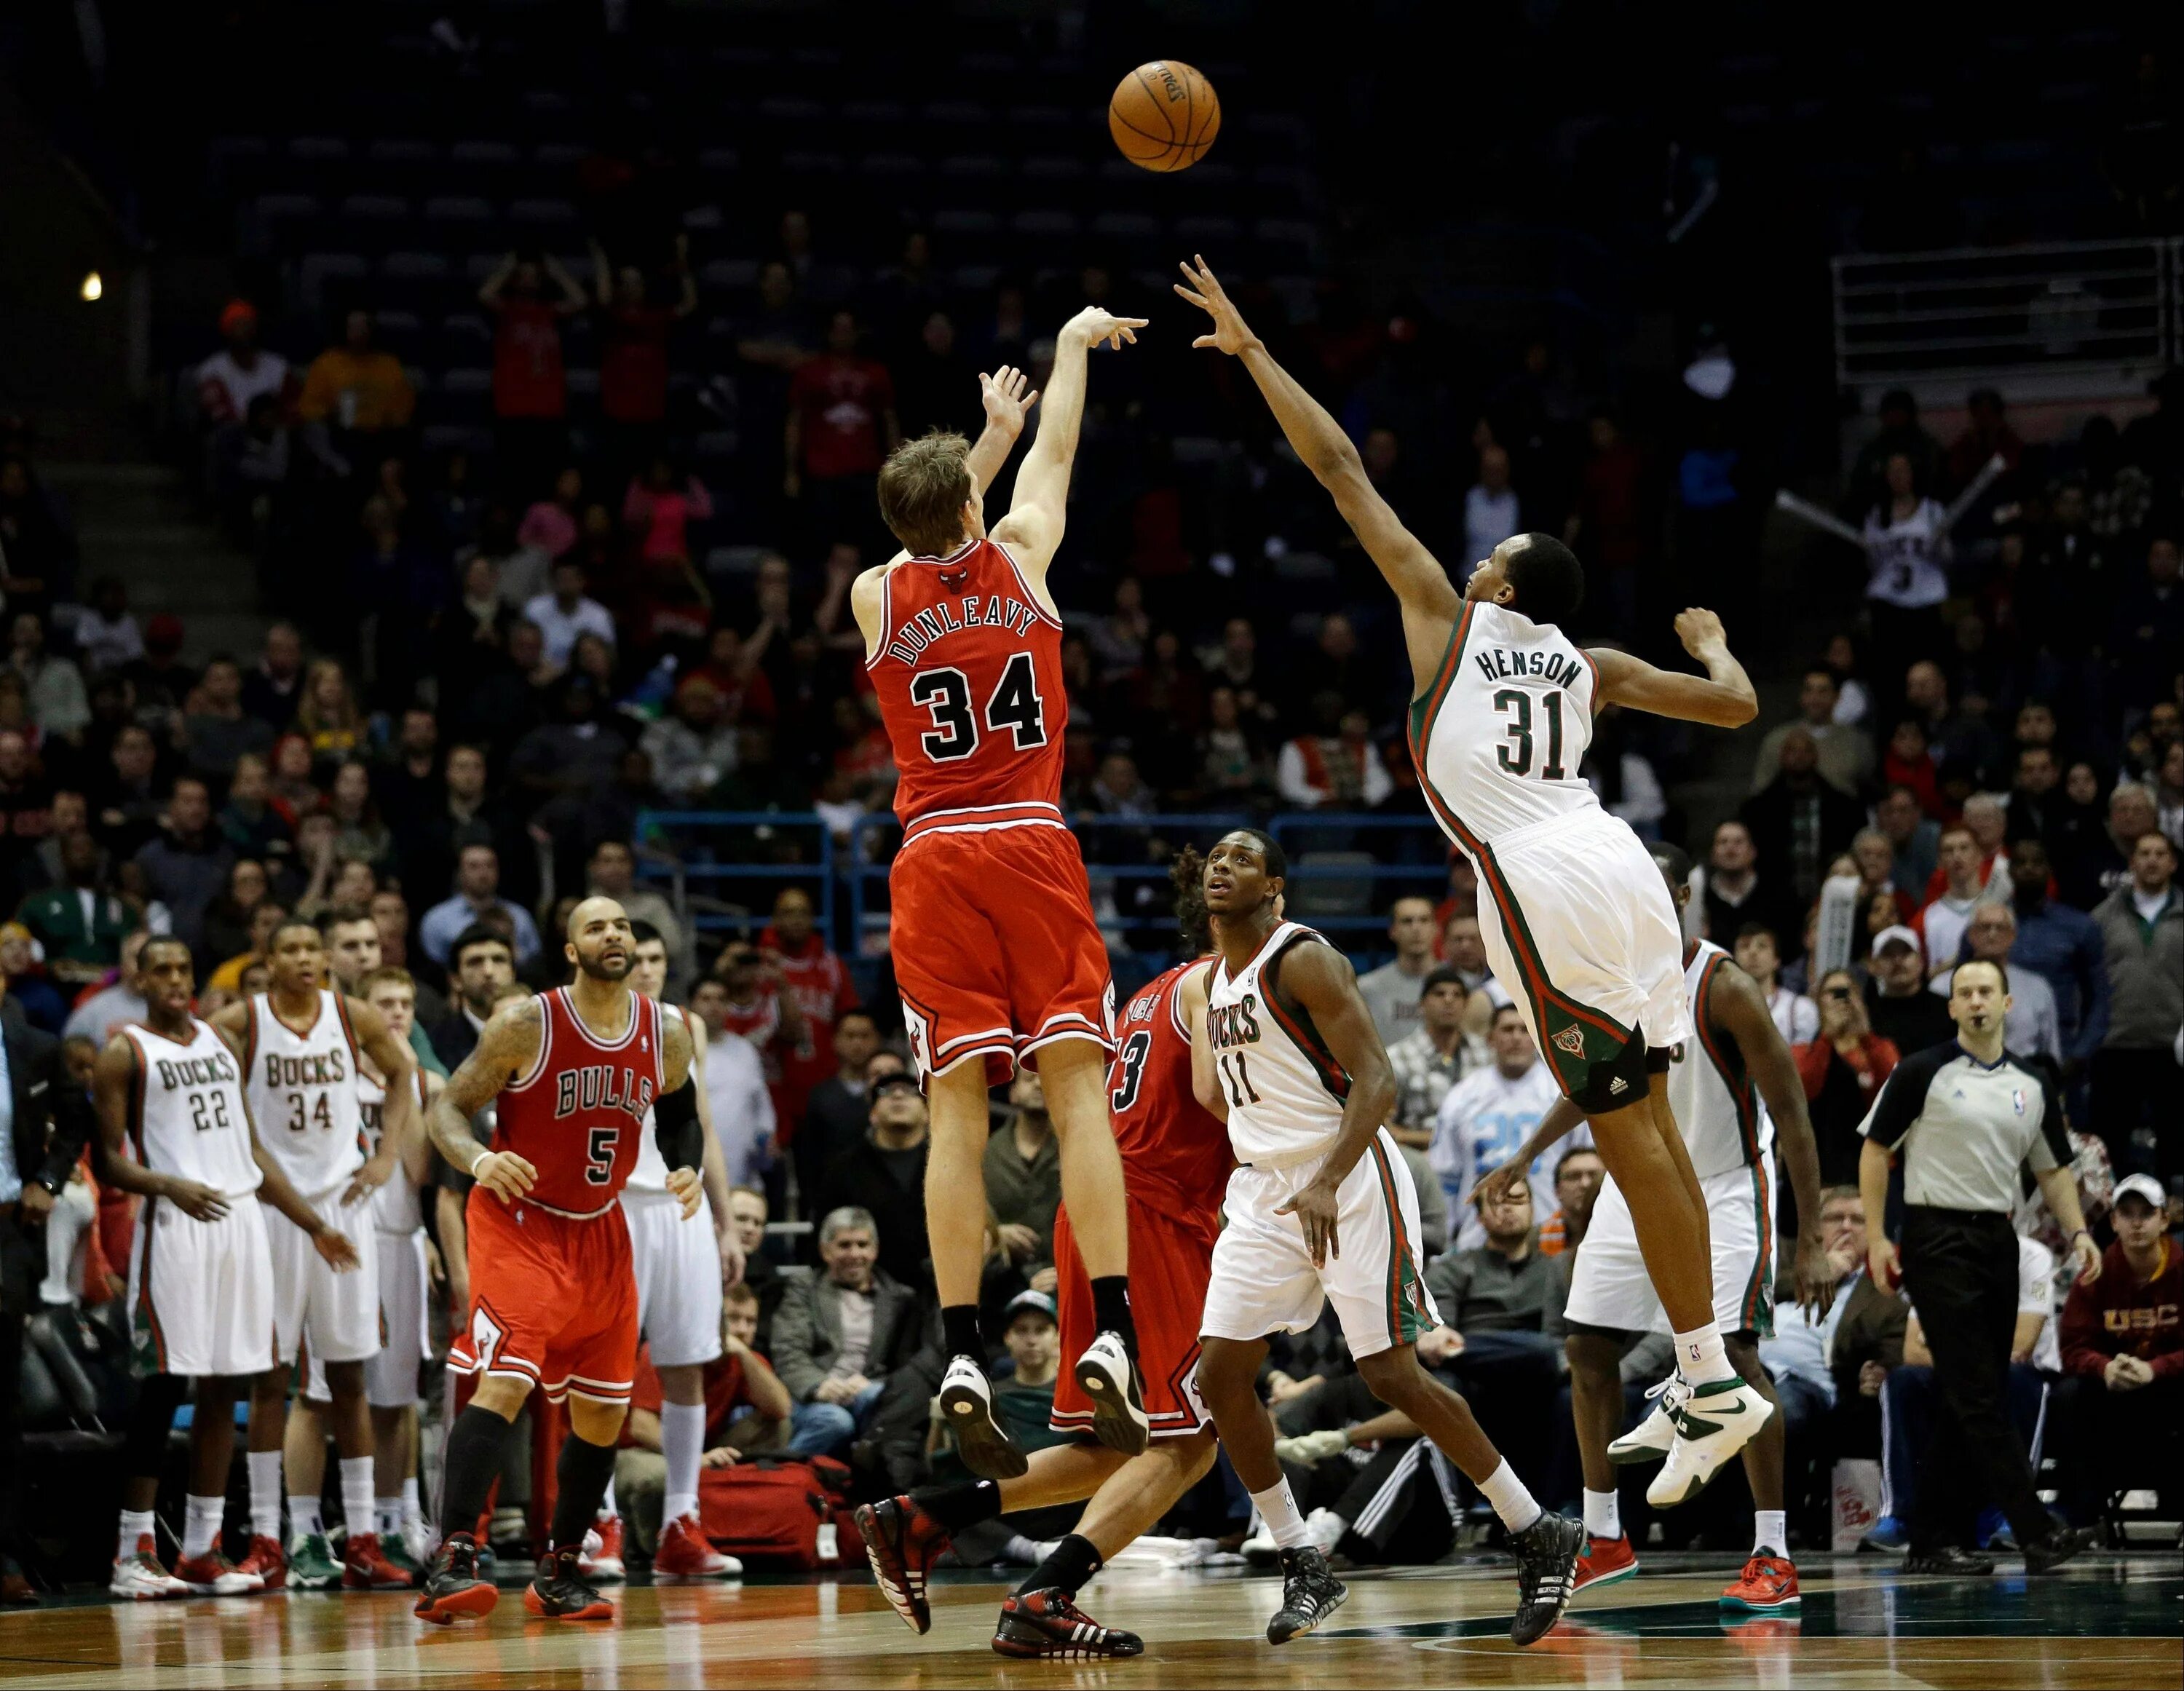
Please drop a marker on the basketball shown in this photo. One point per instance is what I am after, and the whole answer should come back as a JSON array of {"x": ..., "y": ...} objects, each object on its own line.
[{"x": 1164, "y": 115}]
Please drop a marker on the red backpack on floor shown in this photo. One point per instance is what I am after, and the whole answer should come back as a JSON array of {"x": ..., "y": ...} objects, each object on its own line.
[{"x": 777, "y": 1512}]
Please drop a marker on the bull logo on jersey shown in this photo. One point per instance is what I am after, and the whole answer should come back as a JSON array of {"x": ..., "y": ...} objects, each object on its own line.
[
  {"x": 602, "y": 1086},
  {"x": 1570, "y": 1039}
]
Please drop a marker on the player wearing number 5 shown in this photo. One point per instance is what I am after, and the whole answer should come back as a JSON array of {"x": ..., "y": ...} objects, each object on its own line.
[
  {"x": 1573, "y": 915},
  {"x": 299, "y": 1046},
  {"x": 996, "y": 953},
  {"x": 553, "y": 1287}
]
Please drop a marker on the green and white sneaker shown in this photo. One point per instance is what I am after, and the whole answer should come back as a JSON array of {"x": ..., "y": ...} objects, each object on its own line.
[
  {"x": 396, "y": 1554},
  {"x": 312, "y": 1566},
  {"x": 1713, "y": 1423}
]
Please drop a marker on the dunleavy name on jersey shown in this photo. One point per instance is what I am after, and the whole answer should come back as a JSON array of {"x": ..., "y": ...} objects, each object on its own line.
[{"x": 910, "y": 637}]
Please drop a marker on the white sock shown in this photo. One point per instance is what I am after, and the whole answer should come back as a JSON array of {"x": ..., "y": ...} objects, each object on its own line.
[
  {"x": 1280, "y": 1511},
  {"x": 1512, "y": 1501},
  {"x": 412, "y": 1510},
  {"x": 201, "y": 1525},
  {"x": 682, "y": 1442},
  {"x": 1771, "y": 1533},
  {"x": 1603, "y": 1514},
  {"x": 305, "y": 1517},
  {"x": 356, "y": 1483},
  {"x": 1700, "y": 1358},
  {"x": 135, "y": 1524},
  {"x": 608, "y": 1507},
  {"x": 265, "y": 1494},
  {"x": 386, "y": 1515}
]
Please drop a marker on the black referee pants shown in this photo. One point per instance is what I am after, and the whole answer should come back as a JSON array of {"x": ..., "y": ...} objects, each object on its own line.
[{"x": 1960, "y": 1267}]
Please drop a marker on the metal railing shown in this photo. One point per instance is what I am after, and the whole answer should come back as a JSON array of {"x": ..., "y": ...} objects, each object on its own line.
[{"x": 1970, "y": 311}]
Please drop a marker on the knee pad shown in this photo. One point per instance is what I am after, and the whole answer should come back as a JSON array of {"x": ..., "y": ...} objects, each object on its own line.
[{"x": 1619, "y": 1082}]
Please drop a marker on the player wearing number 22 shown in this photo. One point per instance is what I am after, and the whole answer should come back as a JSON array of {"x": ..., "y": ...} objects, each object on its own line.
[
  {"x": 996, "y": 952},
  {"x": 553, "y": 1287}
]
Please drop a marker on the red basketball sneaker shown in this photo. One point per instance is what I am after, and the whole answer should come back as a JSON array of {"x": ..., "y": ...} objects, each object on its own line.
[
  {"x": 1768, "y": 1586},
  {"x": 212, "y": 1575},
  {"x": 902, "y": 1541},
  {"x": 364, "y": 1566},
  {"x": 268, "y": 1560},
  {"x": 1603, "y": 1561},
  {"x": 684, "y": 1553},
  {"x": 601, "y": 1562},
  {"x": 1048, "y": 1625}
]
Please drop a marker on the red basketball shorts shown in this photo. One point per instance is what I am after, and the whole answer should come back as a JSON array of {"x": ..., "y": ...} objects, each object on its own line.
[
  {"x": 1170, "y": 1263},
  {"x": 553, "y": 1299},
  {"x": 995, "y": 950}
]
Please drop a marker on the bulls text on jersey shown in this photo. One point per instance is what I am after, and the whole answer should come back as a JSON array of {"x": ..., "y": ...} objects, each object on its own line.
[
  {"x": 176, "y": 1072},
  {"x": 937, "y": 620},
  {"x": 595, "y": 1087}
]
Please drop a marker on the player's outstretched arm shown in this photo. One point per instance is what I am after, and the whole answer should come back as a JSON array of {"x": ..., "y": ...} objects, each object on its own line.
[
  {"x": 1319, "y": 979},
  {"x": 397, "y": 1071},
  {"x": 1739, "y": 1010},
  {"x": 507, "y": 1046},
  {"x": 1723, "y": 698},
  {"x": 1006, "y": 395},
  {"x": 680, "y": 1129},
  {"x": 1041, "y": 509},
  {"x": 1429, "y": 599}
]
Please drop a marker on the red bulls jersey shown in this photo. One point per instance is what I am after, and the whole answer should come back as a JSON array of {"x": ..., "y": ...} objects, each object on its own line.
[
  {"x": 577, "y": 1116},
  {"x": 969, "y": 678},
  {"x": 1175, "y": 1151}
]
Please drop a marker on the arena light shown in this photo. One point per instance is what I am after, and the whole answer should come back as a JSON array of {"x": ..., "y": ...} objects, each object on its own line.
[{"x": 93, "y": 288}]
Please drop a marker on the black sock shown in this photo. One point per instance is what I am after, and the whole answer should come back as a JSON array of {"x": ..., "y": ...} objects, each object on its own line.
[
  {"x": 470, "y": 1465},
  {"x": 1069, "y": 1569},
  {"x": 959, "y": 1327},
  {"x": 144, "y": 1446},
  {"x": 580, "y": 1479},
  {"x": 955, "y": 1507},
  {"x": 1111, "y": 1309}
]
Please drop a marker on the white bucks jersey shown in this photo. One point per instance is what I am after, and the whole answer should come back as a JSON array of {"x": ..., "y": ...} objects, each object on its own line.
[
  {"x": 304, "y": 1093},
  {"x": 1498, "y": 736},
  {"x": 395, "y": 1206},
  {"x": 648, "y": 1174},
  {"x": 1718, "y": 1110},
  {"x": 186, "y": 1114},
  {"x": 1285, "y": 1090}
]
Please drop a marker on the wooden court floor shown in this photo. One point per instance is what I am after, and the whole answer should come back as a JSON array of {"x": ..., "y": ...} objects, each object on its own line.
[{"x": 2115, "y": 1621}]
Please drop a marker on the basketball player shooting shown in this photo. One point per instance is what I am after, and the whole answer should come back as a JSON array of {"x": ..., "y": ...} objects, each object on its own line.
[
  {"x": 553, "y": 1290},
  {"x": 996, "y": 951},
  {"x": 1580, "y": 923}
]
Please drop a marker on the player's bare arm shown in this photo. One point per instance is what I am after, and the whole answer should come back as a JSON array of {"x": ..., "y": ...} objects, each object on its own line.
[
  {"x": 677, "y": 1116},
  {"x": 715, "y": 1173},
  {"x": 398, "y": 1069},
  {"x": 1320, "y": 981},
  {"x": 113, "y": 1079},
  {"x": 1493, "y": 1187},
  {"x": 417, "y": 1156},
  {"x": 1739, "y": 1011},
  {"x": 1429, "y": 600},
  {"x": 1204, "y": 1082},
  {"x": 1006, "y": 396},
  {"x": 1721, "y": 698},
  {"x": 1039, "y": 511},
  {"x": 507, "y": 1047}
]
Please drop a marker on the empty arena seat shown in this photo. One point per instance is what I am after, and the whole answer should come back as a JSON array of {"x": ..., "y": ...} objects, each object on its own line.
[
  {"x": 975, "y": 224},
  {"x": 729, "y": 272},
  {"x": 720, "y": 161},
  {"x": 976, "y": 279},
  {"x": 485, "y": 155},
  {"x": 1041, "y": 117},
  {"x": 1044, "y": 225},
  {"x": 322, "y": 278},
  {"x": 542, "y": 216},
  {"x": 320, "y": 149},
  {"x": 789, "y": 109},
  {"x": 1200, "y": 232},
  {"x": 1288, "y": 239},
  {"x": 463, "y": 396},
  {"x": 401, "y": 333},
  {"x": 372, "y": 209},
  {"x": 886, "y": 165},
  {"x": 977, "y": 166},
  {"x": 956, "y": 113},
  {"x": 458, "y": 208},
  {"x": 1324, "y": 889},
  {"x": 464, "y": 336}
]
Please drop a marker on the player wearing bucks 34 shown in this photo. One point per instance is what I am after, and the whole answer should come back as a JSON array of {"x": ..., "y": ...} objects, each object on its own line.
[
  {"x": 1574, "y": 917},
  {"x": 1733, "y": 1088},
  {"x": 301, "y": 1046},
  {"x": 1323, "y": 1208}
]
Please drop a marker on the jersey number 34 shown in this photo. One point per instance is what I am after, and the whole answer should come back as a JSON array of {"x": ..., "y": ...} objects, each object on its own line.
[{"x": 1015, "y": 706}]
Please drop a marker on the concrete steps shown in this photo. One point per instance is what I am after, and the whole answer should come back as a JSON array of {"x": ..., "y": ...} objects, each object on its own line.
[{"x": 138, "y": 521}]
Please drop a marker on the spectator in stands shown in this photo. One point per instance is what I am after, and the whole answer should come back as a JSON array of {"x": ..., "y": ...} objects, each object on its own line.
[
  {"x": 838, "y": 1336},
  {"x": 26, "y": 817},
  {"x": 240, "y": 372},
  {"x": 1796, "y": 1354},
  {"x": 837, "y": 1110},
  {"x": 216, "y": 731},
  {"x": 1914, "y": 836},
  {"x": 1491, "y": 512},
  {"x": 1465, "y": 950},
  {"x": 566, "y": 613},
  {"x": 1392, "y": 991},
  {"x": 817, "y": 980},
  {"x": 548, "y": 527},
  {"x": 743, "y": 1115},
  {"x": 884, "y": 1173},
  {"x": 530, "y": 393},
  {"x": 228, "y": 918},
  {"x": 106, "y": 634},
  {"x": 1488, "y": 1115},
  {"x": 1842, "y": 1070},
  {"x": 747, "y": 1215},
  {"x": 2103, "y": 863},
  {"x": 186, "y": 868},
  {"x": 634, "y": 336},
  {"x": 1737, "y": 892},
  {"x": 696, "y": 745},
  {"x": 1429, "y": 1061},
  {"x": 2063, "y": 945},
  {"x": 1759, "y": 954},
  {"x": 1579, "y": 1172},
  {"x": 274, "y": 687},
  {"x": 841, "y": 425},
  {"x": 2123, "y": 1343},
  {"x": 327, "y": 714},
  {"x": 481, "y": 964},
  {"x": 1798, "y": 822},
  {"x": 119, "y": 1000},
  {"x": 52, "y": 688},
  {"x": 477, "y": 897},
  {"x": 80, "y": 923},
  {"x": 2134, "y": 1072},
  {"x": 356, "y": 401},
  {"x": 2030, "y": 1027},
  {"x": 1897, "y": 1004},
  {"x": 2035, "y": 806},
  {"x": 1940, "y": 923},
  {"x": 1337, "y": 766},
  {"x": 2148, "y": 630},
  {"x": 1843, "y": 757},
  {"x": 34, "y": 996},
  {"x": 1024, "y": 1181}
]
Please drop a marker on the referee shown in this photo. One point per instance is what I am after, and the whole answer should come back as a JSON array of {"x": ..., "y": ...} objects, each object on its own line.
[{"x": 1964, "y": 1116}]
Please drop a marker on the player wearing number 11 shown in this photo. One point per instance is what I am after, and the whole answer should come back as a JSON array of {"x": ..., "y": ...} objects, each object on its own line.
[
  {"x": 1576, "y": 920},
  {"x": 996, "y": 953}
]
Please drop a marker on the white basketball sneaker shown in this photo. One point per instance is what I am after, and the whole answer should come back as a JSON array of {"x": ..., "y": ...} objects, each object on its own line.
[
  {"x": 1714, "y": 1423},
  {"x": 1651, "y": 1438},
  {"x": 140, "y": 1579},
  {"x": 966, "y": 1404},
  {"x": 1109, "y": 1379}
]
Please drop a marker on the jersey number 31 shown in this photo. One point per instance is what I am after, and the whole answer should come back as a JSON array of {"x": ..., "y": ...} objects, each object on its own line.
[
  {"x": 1015, "y": 706},
  {"x": 1515, "y": 756}
]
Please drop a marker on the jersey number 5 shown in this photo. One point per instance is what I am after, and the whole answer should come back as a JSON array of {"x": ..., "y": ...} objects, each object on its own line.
[
  {"x": 1517, "y": 756},
  {"x": 599, "y": 1153},
  {"x": 1014, "y": 705}
]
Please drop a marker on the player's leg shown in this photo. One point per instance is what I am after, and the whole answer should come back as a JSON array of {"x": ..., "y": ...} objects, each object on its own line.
[
  {"x": 1645, "y": 1153},
  {"x": 138, "y": 1574},
  {"x": 471, "y": 1461},
  {"x": 680, "y": 1314},
  {"x": 203, "y": 1566},
  {"x": 364, "y": 1567},
  {"x": 581, "y": 1475},
  {"x": 681, "y": 1549},
  {"x": 1596, "y": 1377},
  {"x": 1769, "y": 1582}
]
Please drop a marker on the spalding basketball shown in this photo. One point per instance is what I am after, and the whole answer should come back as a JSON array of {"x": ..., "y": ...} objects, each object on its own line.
[{"x": 1164, "y": 116}]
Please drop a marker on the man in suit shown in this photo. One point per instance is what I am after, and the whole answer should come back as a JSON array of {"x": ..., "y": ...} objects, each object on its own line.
[
  {"x": 49, "y": 1120},
  {"x": 840, "y": 1336}
]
